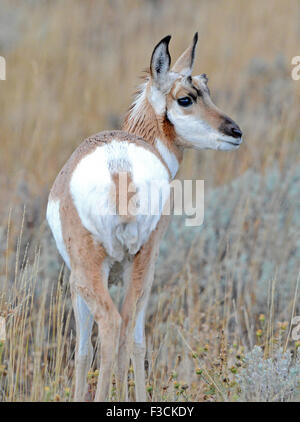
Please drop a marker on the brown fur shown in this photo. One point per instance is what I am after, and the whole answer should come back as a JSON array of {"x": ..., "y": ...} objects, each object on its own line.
[{"x": 150, "y": 127}]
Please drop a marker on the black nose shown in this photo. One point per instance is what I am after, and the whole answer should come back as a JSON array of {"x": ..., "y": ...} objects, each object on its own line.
[
  {"x": 236, "y": 132},
  {"x": 230, "y": 128}
]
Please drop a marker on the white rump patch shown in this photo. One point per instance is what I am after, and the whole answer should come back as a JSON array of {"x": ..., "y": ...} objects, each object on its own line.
[
  {"x": 91, "y": 186},
  {"x": 53, "y": 218}
]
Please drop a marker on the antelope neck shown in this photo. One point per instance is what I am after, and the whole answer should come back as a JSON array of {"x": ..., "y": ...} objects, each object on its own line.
[{"x": 157, "y": 130}]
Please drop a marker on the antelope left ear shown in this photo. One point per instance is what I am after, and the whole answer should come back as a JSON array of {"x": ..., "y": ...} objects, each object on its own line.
[
  {"x": 160, "y": 61},
  {"x": 184, "y": 64}
]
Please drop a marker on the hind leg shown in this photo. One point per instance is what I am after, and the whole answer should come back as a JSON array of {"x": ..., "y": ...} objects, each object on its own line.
[
  {"x": 139, "y": 352},
  {"x": 84, "y": 350},
  {"x": 140, "y": 277},
  {"x": 91, "y": 286}
]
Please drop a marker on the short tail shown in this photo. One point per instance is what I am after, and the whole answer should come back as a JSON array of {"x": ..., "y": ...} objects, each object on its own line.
[{"x": 127, "y": 234}]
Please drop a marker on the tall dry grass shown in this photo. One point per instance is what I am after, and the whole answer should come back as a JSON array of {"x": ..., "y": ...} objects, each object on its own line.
[{"x": 72, "y": 67}]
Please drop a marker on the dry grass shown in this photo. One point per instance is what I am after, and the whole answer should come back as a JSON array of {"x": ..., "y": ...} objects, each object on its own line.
[{"x": 72, "y": 67}]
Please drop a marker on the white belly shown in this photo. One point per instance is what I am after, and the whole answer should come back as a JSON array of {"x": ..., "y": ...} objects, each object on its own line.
[{"x": 90, "y": 188}]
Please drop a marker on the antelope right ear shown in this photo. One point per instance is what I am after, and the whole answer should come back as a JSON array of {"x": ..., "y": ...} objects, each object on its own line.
[
  {"x": 184, "y": 64},
  {"x": 160, "y": 62}
]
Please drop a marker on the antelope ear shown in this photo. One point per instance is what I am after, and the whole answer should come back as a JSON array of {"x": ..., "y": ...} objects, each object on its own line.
[
  {"x": 160, "y": 61},
  {"x": 184, "y": 64}
]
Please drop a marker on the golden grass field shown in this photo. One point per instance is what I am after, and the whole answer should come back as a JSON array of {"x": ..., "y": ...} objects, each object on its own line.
[{"x": 72, "y": 69}]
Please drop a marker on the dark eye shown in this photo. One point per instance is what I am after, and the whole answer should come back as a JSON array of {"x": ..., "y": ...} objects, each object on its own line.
[{"x": 184, "y": 101}]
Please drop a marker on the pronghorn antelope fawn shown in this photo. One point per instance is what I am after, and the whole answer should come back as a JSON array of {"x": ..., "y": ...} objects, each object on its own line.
[{"x": 172, "y": 111}]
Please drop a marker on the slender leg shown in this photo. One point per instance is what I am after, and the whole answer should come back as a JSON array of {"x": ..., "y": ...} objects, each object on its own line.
[
  {"x": 89, "y": 274},
  {"x": 84, "y": 350},
  {"x": 138, "y": 355},
  {"x": 109, "y": 327},
  {"x": 139, "y": 343},
  {"x": 109, "y": 322},
  {"x": 133, "y": 310},
  {"x": 139, "y": 287}
]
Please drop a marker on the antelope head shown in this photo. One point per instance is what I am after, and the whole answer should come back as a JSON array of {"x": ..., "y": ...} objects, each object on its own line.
[{"x": 185, "y": 101}]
